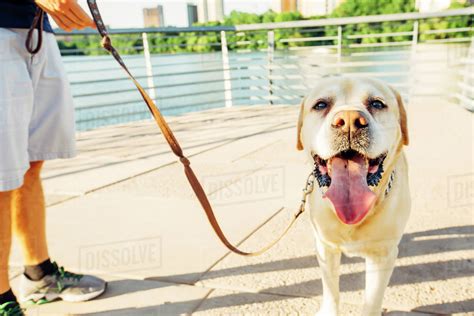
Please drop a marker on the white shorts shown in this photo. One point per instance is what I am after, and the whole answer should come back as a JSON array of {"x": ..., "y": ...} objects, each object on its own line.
[{"x": 36, "y": 107}]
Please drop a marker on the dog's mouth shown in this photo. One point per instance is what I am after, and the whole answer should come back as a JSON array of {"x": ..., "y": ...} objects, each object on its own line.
[
  {"x": 374, "y": 167},
  {"x": 348, "y": 175}
]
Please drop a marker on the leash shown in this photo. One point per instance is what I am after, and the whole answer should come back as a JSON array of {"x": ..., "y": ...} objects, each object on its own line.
[
  {"x": 176, "y": 148},
  {"x": 36, "y": 25}
]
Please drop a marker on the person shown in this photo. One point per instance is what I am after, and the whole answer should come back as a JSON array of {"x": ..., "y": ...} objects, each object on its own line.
[{"x": 36, "y": 124}]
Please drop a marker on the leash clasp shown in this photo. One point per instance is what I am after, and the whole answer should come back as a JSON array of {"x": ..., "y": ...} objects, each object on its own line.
[{"x": 309, "y": 187}]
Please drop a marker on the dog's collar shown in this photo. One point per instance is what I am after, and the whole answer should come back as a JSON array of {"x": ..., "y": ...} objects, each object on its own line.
[{"x": 390, "y": 183}]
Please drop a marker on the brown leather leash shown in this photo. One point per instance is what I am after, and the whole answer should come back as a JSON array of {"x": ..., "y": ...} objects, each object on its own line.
[
  {"x": 36, "y": 25},
  {"x": 176, "y": 148}
]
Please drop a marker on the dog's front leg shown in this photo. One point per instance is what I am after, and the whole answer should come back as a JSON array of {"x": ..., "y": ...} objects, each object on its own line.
[
  {"x": 377, "y": 275},
  {"x": 329, "y": 262}
]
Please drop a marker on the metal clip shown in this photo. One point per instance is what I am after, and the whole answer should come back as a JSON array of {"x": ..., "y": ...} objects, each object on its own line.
[{"x": 306, "y": 191}]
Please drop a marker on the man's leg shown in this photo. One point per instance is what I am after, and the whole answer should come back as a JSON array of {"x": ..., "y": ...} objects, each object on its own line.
[
  {"x": 29, "y": 218},
  {"x": 42, "y": 282},
  {"x": 8, "y": 302},
  {"x": 5, "y": 238}
]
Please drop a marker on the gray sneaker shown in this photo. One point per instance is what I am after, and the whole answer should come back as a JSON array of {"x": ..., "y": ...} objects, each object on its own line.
[
  {"x": 67, "y": 286},
  {"x": 11, "y": 309}
]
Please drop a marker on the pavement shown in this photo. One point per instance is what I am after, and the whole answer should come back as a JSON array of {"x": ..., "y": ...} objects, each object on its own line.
[{"x": 123, "y": 210}]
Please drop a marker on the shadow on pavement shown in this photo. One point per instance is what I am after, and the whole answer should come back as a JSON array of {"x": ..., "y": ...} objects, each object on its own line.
[
  {"x": 413, "y": 244},
  {"x": 453, "y": 307}
]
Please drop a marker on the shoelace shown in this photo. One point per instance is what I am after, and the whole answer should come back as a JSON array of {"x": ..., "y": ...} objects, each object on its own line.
[
  {"x": 62, "y": 275},
  {"x": 11, "y": 309}
]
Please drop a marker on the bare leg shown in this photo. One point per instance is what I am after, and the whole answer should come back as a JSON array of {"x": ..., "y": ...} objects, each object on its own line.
[
  {"x": 5, "y": 238},
  {"x": 329, "y": 262},
  {"x": 377, "y": 275},
  {"x": 29, "y": 216},
  {"x": 30, "y": 226}
]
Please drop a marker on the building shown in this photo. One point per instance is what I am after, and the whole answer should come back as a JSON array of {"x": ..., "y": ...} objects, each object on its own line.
[
  {"x": 202, "y": 11},
  {"x": 307, "y": 8},
  {"x": 215, "y": 10},
  {"x": 153, "y": 17},
  {"x": 437, "y": 5},
  {"x": 432, "y": 5},
  {"x": 176, "y": 13},
  {"x": 192, "y": 14},
  {"x": 285, "y": 5},
  {"x": 210, "y": 10}
]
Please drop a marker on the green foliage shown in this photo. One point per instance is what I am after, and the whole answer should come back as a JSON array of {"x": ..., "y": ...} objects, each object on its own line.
[
  {"x": 371, "y": 7},
  {"x": 203, "y": 42},
  {"x": 236, "y": 18},
  {"x": 81, "y": 45},
  {"x": 464, "y": 22}
]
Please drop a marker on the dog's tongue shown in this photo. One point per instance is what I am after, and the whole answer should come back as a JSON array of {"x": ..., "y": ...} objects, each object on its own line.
[{"x": 349, "y": 192}]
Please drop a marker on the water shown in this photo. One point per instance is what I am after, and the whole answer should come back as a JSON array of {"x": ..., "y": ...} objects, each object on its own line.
[{"x": 193, "y": 82}]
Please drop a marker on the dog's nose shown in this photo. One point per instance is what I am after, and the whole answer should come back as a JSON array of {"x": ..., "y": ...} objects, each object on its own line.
[{"x": 350, "y": 121}]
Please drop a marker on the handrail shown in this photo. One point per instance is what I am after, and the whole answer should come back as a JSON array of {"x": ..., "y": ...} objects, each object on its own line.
[
  {"x": 356, "y": 20},
  {"x": 285, "y": 25}
]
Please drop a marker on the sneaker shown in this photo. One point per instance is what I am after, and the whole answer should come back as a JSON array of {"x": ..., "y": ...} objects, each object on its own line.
[
  {"x": 11, "y": 309},
  {"x": 67, "y": 286}
]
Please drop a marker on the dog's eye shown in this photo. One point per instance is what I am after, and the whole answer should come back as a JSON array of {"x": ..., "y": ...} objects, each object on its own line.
[
  {"x": 377, "y": 104},
  {"x": 321, "y": 105}
]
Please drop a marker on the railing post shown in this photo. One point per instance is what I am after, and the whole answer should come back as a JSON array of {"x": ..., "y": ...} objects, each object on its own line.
[
  {"x": 466, "y": 98},
  {"x": 149, "y": 67},
  {"x": 339, "y": 43},
  {"x": 414, "y": 43},
  {"x": 270, "y": 53},
  {"x": 226, "y": 71},
  {"x": 414, "y": 39},
  {"x": 339, "y": 48}
]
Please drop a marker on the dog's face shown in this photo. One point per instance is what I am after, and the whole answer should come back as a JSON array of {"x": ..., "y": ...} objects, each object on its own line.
[{"x": 352, "y": 128}]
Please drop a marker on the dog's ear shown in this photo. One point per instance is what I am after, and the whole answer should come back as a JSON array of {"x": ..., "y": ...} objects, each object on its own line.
[
  {"x": 299, "y": 143},
  {"x": 403, "y": 117}
]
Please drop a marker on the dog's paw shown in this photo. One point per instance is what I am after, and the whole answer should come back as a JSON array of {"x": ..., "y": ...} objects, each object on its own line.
[
  {"x": 327, "y": 311},
  {"x": 370, "y": 311}
]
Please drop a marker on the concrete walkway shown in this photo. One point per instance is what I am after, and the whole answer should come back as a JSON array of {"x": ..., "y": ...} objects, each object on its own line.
[{"x": 123, "y": 210}]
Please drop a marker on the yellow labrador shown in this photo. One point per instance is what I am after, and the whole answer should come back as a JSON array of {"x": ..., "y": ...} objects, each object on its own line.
[{"x": 355, "y": 129}]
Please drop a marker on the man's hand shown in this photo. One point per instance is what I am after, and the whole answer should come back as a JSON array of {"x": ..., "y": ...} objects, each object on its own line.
[{"x": 66, "y": 13}]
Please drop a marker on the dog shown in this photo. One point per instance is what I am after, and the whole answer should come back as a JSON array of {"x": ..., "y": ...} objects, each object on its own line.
[{"x": 355, "y": 129}]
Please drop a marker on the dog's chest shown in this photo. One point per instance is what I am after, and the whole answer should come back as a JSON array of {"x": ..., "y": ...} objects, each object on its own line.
[
  {"x": 357, "y": 243},
  {"x": 352, "y": 240}
]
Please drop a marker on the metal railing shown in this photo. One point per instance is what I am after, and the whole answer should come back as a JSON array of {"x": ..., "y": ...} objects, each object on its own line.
[{"x": 269, "y": 63}]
